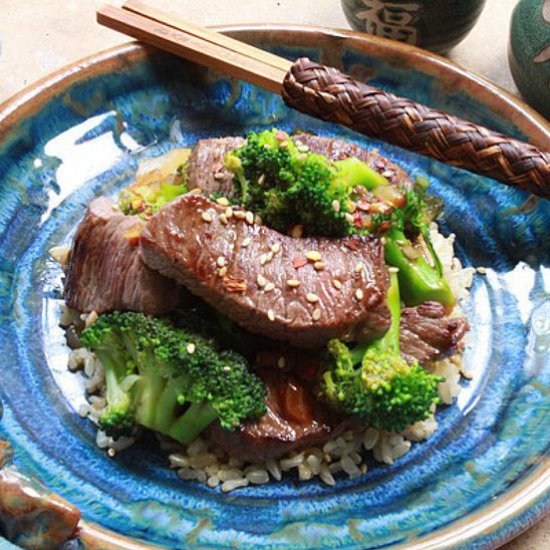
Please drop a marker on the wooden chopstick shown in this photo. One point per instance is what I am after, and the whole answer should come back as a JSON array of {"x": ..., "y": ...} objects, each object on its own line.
[
  {"x": 200, "y": 49},
  {"x": 330, "y": 95},
  {"x": 203, "y": 33}
]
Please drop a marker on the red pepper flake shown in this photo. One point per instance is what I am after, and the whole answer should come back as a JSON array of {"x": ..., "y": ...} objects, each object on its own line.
[
  {"x": 310, "y": 370},
  {"x": 358, "y": 220},
  {"x": 384, "y": 226},
  {"x": 363, "y": 205},
  {"x": 133, "y": 234},
  {"x": 353, "y": 244},
  {"x": 234, "y": 284},
  {"x": 297, "y": 263}
]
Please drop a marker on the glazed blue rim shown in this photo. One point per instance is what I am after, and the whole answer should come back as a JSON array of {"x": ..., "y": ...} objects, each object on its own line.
[{"x": 495, "y": 523}]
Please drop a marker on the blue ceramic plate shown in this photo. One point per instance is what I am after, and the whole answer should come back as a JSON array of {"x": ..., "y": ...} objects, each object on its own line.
[{"x": 477, "y": 482}]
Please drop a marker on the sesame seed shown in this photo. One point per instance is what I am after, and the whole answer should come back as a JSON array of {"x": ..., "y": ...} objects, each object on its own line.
[
  {"x": 359, "y": 294},
  {"x": 337, "y": 284},
  {"x": 316, "y": 314},
  {"x": 276, "y": 248},
  {"x": 220, "y": 261},
  {"x": 222, "y": 201},
  {"x": 293, "y": 283},
  {"x": 196, "y": 191},
  {"x": 312, "y": 298},
  {"x": 227, "y": 368},
  {"x": 387, "y": 173},
  {"x": 349, "y": 217},
  {"x": 111, "y": 452},
  {"x": 223, "y": 218},
  {"x": 222, "y": 271},
  {"x": 261, "y": 280},
  {"x": 318, "y": 266},
  {"x": 267, "y": 146},
  {"x": 394, "y": 269},
  {"x": 239, "y": 214},
  {"x": 336, "y": 205},
  {"x": 257, "y": 220},
  {"x": 313, "y": 255},
  {"x": 246, "y": 242},
  {"x": 249, "y": 218},
  {"x": 206, "y": 217},
  {"x": 261, "y": 179},
  {"x": 229, "y": 212},
  {"x": 190, "y": 348},
  {"x": 297, "y": 231},
  {"x": 283, "y": 144},
  {"x": 266, "y": 258},
  {"x": 271, "y": 315},
  {"x": 269, "y": 287},
  {"x": 281, "y": 362},
  {"x": 218, "y": 176},
  {"x": 358, "y": 267},
  {"x": 303, "y": 148}
]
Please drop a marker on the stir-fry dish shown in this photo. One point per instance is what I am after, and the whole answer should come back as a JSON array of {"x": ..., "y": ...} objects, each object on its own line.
[{"x": 269, "y": 304}]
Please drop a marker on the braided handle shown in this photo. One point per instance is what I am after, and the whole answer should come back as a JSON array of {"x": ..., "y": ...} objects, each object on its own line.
[{"x": 328, "y": 94}]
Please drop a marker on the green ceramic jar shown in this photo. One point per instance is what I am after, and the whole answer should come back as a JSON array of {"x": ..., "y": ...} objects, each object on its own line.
[
  {"x": 437, "y": 25},
  {"x": 529, "y": 52}
]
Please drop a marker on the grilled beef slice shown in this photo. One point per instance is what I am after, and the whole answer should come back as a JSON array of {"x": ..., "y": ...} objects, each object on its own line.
[
  {"x": 105, "y": 271},
  {"x": 207, "y": 172},
  {"x": 243, "y": 269},
  {"x": 426, "y": 333},
  {"x": 294, "y": 420}
]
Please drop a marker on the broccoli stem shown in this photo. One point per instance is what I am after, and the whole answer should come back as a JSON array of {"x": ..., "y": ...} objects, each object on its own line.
[
  {"x": 151, "y": 388},
  {"x": 390, "y": 341},
  {"x": 419, "y": 281},
  {"x": 166, "y": 409},
  {"x": 115, "y": 370},
  {"x": 188, "y": 426},
  {"x": 355, "y": 173}
]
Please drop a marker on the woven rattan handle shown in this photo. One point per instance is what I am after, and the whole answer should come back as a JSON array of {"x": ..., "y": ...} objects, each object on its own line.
[{"x": 328, "y": 94}]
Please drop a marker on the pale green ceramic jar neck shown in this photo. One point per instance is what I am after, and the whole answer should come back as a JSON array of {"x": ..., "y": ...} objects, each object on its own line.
[
  {"x": 437, "y": 25},
  {"x": 529, "y": 52}
]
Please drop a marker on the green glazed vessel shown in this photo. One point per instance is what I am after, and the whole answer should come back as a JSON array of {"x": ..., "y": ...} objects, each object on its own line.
[
  {"x": 529, "y": 52},
  {"x": 436, "y": 25}
]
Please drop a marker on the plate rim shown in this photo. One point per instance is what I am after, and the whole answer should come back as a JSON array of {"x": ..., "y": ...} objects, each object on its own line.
[{"x": 501, "y": 520}]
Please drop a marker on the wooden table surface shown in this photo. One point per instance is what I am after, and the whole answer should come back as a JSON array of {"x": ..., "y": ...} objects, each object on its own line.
[{"x": 40, "y": 36}]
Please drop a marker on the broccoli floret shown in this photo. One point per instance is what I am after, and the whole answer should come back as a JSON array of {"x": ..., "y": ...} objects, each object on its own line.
[
  {"x": 171, "y": 379},
  {"x": 373, "y": 381},
  {"x": 288, "y": 187}
]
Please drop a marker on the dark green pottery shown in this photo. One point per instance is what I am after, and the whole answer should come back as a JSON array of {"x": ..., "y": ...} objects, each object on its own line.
[
  {"x": 529, "y": 52},
  {"x": 436, "y": 25}
]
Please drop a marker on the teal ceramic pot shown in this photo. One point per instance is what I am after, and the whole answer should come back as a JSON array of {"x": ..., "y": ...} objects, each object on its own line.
[
  {"x": 436, "y": 25},
  {"x": 529, "y": 52}
]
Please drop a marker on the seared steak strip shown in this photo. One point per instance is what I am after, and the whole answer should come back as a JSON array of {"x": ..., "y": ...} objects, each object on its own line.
[
  {"x": 304, "y": 291},
  {"x": 427, "y": 333},
  {"x": 294, "y": 420},
  {"x": 105, "y": 271},
  {"x": 207, "y": 172}
]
